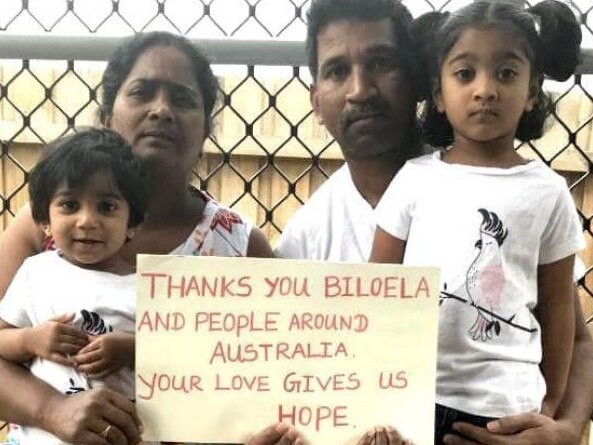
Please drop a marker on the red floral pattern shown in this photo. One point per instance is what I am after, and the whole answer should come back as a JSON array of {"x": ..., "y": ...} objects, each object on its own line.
[{"x": 226, "y": 219}]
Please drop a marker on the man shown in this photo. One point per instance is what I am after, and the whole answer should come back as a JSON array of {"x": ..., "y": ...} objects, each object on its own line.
[{"x": 361, "y": 60}]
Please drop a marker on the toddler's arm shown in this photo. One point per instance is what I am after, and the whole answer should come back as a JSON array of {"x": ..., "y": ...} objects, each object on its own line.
[
  {"x": 555, "y": 313},
  {"x": 54, "y": 340},
  {"x": 387, "y": 248}
]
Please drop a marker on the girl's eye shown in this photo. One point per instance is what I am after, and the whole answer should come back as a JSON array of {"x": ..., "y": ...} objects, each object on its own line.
[{"x": 464, "y": 74}]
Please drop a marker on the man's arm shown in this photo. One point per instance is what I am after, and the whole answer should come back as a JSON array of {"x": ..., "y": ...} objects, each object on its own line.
[
  {"x": 79, "y": 418},
  {"x": 536, "y": 429}
]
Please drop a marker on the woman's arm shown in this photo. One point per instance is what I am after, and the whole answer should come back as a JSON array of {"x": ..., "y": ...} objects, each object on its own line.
[
  {"x": 555, "y": 313},
  {"x": 21, "y": 239}
]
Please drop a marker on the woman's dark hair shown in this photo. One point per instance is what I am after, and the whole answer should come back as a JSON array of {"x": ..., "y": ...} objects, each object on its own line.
[
  {"x": 124, "y": 58},
  {"x": 323, "y": 12},
  {"x": 72, "y": 160},
  {"x": 551, "y": 38}
]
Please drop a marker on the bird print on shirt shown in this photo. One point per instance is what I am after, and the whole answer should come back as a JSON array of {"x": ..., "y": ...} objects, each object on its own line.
[
  {"x": 485, "y": 276},
  {"x": 482, "y": 284}
]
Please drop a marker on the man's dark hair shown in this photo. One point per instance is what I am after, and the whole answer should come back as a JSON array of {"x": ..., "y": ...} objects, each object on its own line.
[
  {"x": 124, "y": 58},
  {"x": 323, "y": 12},
  {"x": 72, "y": 161}
]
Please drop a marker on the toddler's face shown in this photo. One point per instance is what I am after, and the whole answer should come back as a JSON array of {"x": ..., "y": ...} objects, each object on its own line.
[{"x": 90, "y": 225}]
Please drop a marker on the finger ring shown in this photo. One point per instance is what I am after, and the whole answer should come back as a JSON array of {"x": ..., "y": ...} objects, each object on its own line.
[{"x": 105, "y": 432}]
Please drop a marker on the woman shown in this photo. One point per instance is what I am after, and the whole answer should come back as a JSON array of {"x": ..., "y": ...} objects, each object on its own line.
[{"x": 158, "y": 93}]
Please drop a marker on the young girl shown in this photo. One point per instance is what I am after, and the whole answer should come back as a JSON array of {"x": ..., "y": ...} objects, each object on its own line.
[
  {"x": 70, "y": 312},
  {"x": 503, "y": 229}
]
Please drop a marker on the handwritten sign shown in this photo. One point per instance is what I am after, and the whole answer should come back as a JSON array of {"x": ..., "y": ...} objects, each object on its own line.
[{"x": 227, "y": 346}]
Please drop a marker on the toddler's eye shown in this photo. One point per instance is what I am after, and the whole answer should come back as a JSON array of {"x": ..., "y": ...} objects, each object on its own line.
[
  {"x": 507, "y": 74},
  {"x": 68, "y": 206},
  {"x": 107, "y": 207}
]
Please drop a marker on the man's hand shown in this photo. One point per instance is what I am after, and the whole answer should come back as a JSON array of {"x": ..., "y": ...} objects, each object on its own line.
[
  {"x": 522, "y": 429},
  {"x": 55, "y": 340},
  {"x": 106, "y": 354},
  {"x": 82, "y": 417}
]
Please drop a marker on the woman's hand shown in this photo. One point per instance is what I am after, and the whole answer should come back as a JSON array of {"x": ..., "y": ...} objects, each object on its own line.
[
  {"x": 95, "y": 417},
  {"x": 383, "y": 436},
  {"x": 277, "y": 434},
  {"x": 55, "y": 340},
  {"x": 106, "y": 354}
]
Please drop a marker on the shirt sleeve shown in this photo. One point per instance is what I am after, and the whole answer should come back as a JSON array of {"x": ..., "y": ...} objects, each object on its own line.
[
  {"x": 563, "y": 233},
  {"x": 13, "y": 307},
  {"x": 293, "y": 241},
  {"x": 393, "y": 214}
]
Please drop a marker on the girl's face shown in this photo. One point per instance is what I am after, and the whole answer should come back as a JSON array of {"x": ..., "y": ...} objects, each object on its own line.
[
  {"x": 159, "y": 109},
  {"x": 485, "y": 86},
  {"x": 90, "y": 225}
]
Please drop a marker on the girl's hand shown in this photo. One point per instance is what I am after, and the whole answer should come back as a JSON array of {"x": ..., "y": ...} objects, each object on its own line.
[
  {"x": 383, "y": 436},
  {"x": 55, "y": 340},
  {"x": 106, "y": 354}
]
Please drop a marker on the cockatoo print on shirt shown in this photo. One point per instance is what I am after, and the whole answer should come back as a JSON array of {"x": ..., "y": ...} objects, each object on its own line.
[
  {"x": 485, "y": 276},
  {"x": 483, "y": 285}
]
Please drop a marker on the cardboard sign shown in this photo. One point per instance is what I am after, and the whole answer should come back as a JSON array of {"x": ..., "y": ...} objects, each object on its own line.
[{"x": 228, "y": 346}]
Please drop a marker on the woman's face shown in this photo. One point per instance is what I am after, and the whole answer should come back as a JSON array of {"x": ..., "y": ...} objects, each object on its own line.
[{"x": 159, "y": 109}]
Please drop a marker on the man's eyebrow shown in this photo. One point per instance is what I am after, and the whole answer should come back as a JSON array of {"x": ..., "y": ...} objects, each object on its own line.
[
  {"x": 382, "y": 48},
  {"x": 331, "y": 61}
]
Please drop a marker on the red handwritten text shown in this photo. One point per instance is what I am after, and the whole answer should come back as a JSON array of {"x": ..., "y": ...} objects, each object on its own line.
[
  {"x": 393, "y": 380},
  {"x": 171, "y": 286},
  {"x": 304, "y": 416},
  {"x": 240, "y": 382},
  {"x": 284, "y": 286},
  {"x": 165, "y": 382},
  {"x": 301, "y": 383},
  {"x": 250, "y": 352},
  {"x": 157, "y": 321},
  {"x": 236, "y": 323},
  {"x": 378, "y": 287},
  {"x": 308, "y": 321}
]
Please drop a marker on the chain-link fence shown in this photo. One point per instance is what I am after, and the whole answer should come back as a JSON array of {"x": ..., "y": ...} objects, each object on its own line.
[{"x": 267, "y": 155}]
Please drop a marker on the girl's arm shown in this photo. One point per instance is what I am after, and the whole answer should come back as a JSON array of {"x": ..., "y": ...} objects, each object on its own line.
[
  {"x": 555, "y": 312},
  {"x": 21, "y": 239},
  {"x": 387, "y": 248}
]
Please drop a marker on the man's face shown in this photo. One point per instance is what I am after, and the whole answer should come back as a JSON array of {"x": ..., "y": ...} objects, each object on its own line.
[{"x": 361, "y": 93}]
